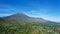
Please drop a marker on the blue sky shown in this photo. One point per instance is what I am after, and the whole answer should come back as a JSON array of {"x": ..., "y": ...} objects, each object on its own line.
[{"x": 47, "y": 9}]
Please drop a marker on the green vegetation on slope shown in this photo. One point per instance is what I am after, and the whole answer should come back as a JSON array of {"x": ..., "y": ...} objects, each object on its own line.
[{"x": 27, "y": 27}]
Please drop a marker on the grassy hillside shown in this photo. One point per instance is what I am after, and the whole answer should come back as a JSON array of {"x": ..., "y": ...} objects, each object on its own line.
[{"x": 27, "y": 27}]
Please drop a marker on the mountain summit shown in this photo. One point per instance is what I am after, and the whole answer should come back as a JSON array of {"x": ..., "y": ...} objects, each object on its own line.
[{"x": 18, "y": 16}]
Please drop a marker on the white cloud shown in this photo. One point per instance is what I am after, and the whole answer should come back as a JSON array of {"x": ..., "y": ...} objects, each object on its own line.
[
  {"x": 43, "y": 11},
  {"x": 2, "y": 15},
  {"x": 11, "y": 9},
  {"x": 51, "y": 18},
  {"x": 4, "y": 10},
  {"x": 39, "y": 12},
  {"x": 7, "y": 9},
  {"x": 33, "y": 11}
]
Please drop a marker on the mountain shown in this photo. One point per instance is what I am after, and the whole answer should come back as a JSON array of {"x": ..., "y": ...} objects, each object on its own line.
[
  {"x": 17, "y": 16},
  {"x": 20, "y": 23},
  {"x": 23, "y": 17}
]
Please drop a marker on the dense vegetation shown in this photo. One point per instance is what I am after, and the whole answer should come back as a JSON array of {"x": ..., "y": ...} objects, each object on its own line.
[{"x": 27, "y": 27}]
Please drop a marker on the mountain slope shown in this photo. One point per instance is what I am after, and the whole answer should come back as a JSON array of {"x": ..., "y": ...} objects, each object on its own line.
[{"x": 22, "y": 24}]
